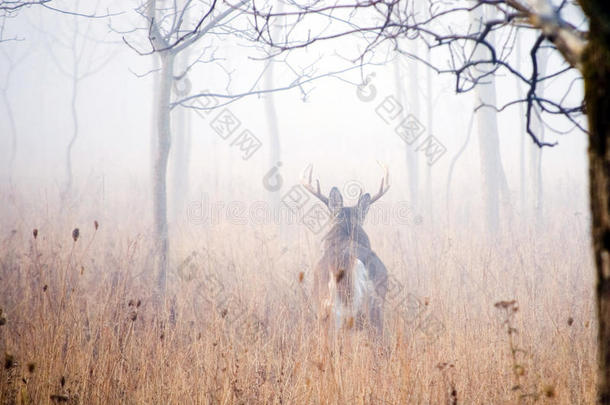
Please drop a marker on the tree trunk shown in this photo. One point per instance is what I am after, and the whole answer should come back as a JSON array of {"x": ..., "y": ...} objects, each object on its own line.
[
  {"x": 535, "y": 151},
  {"x": 596, "y": 72},
  {"x": 181, "y": 148},
  {"x": 430, "y": 122},
  {"x": 272, "y": 121},
  {"x": 489, "y": 155},
  {"x": 410, "y": 154},
  {"x": 523, "y": 184},
  {"x": 162, "y": 147},
  {"x": 494, "y": 179},
  {"x": 274, "y": 136},
  {"x": 156, "y": 62},
  {"x": 452, "y": 166},
  {"x": 75, "y": 79},
  {"x": 10, "y": 115},
  {"x": 13, "y": 131},
  {"x": 68, "y": 185}
]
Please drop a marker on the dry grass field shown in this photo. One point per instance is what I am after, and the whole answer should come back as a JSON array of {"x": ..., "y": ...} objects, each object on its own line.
[{"x": 78, "y": 324}]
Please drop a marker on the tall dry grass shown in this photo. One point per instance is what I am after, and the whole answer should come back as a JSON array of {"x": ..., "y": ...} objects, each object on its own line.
[{"x": 78, "y": 324}]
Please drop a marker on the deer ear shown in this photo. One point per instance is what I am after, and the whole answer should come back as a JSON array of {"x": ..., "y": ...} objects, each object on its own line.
[
  {"x": 364, "y": 202},
  {"x": 335, "y": 201}
]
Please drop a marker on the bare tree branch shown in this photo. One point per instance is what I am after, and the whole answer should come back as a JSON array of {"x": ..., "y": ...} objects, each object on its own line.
[{"x": 390, "y": 22}]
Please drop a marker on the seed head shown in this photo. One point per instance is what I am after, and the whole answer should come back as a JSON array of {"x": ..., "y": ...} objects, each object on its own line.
[
  {"x": 510, "y": 305},
  {"x": 549, "y": 391},
  {"x": 57, "y": 398},
  {"x": 519, "y": 370},
  {"x": 9, "y": 361},
  {"x": 75, "y": 234},
  {"x": 35, "y": 233}
]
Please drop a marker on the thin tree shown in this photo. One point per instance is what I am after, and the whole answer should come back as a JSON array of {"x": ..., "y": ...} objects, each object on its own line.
[
  {"x": 535, "y": 153},
  {"x": 411, "y": 88},
  {"x": 11, "y": 64},
  {"x": 492, "y": 169},
  {"x": 169, "y": 33},
  {"x": 180, "y": 154},
  {"x": 10, "y": 9},
  {"x": 84, "y": 59}
]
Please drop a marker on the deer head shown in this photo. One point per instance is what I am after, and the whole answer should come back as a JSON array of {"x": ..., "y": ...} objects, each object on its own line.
[{"x": 346, "y": 220}]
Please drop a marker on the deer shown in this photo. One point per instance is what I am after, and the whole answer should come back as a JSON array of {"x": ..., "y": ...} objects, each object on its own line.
[{"x": 349, "y": 280}]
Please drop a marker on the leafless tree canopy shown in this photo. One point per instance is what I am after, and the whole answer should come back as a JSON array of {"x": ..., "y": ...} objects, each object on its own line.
[
  {"x": 471, "y": 51},
  {"x": 11, "y": 8}
]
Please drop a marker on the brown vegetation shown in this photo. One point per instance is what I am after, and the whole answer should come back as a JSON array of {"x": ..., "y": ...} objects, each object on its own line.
[{"x": 77, "y": 324}]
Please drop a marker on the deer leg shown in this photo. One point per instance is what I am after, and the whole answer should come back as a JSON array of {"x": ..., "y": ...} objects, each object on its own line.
[
  {"x": 321, "y": 296},
  {"x": 360, "y": 320},
  {"x": 376, "y": 315}
]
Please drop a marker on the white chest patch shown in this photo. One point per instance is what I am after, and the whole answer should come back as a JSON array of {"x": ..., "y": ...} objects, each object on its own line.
[{"x": 361, "y": 294}]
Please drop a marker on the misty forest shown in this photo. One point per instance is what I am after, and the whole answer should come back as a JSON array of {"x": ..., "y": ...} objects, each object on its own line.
[{"x": 304, "y": 202}]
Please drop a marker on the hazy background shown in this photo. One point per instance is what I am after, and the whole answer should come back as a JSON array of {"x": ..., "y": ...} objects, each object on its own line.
[
  {"x": 324, "y": 123},
  {"x": 239, "y": 320}
]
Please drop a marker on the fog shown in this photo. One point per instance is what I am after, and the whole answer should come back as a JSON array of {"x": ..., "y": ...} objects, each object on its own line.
[
  {"x": 336, "y": 114},
  {"x": 324, "y": 123}
]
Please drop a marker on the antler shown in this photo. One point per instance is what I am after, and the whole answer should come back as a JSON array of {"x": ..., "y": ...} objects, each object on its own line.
[
  {"x": 385, "y": 183},
  {"x": 310, "y": 188}
]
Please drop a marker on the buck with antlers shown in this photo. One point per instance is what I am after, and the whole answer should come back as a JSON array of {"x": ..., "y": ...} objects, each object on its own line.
[{"x": 350, "y": 281}]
